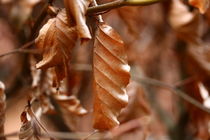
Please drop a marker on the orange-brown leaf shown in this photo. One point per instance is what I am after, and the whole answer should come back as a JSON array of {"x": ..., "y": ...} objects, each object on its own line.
[
  {"x": 70, "y": 104},
  {"x": 202, "y": 5},
  {"x": 76, "y": 9},
  {"x": 29, "y": 129},
  {"x": 111, "y": 76},
  {"x": 56, "y": 40}
]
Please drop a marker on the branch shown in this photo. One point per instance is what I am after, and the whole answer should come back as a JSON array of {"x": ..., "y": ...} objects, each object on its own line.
[
  {"x": 119, "y": 3},
  {"x": 62, "y": 135},
  {"x": 22, "y": 49},
  {"x": 183, "y": 95},
  {"x": 151, "y": 81}
]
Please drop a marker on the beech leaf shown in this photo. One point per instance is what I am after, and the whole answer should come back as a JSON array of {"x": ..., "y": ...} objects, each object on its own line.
[
  {"x": 71, "y": 104},
  {"x": 56, "y": 40},
  {"x": 202, "y": 5},
  {"x": 29, "y": 129},
  {"x": 76, "y": 9},
  {"x": 111, "y": 76}
]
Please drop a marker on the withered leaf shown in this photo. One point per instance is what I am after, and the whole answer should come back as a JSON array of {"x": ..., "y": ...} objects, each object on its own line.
[
  {"x": 111, "y": 76},
  {"x": 29, "y": 129},
  {"x": 184, "y": 22},
  {"x": 202, "y": 5},
  {"x": 55, "y": 40},
  {"x": 76, "y": 9},
  {"x": 70, "y": 104}
]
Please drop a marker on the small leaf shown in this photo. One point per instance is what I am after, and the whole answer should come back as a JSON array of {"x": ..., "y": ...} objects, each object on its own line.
[
  {"x": 111, "y": 76},
  {"x": 202, "y": 5},
  {"x": 70, "y": 104},
  {"x": 76, "y": 9},
  {"x": 29, "y": 129}
]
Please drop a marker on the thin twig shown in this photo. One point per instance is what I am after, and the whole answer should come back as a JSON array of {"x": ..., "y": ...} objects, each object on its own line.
[
  {"x": 184, "y": 82},
  {"x": 89, "y": 135},
  {"x": 31, "y": 112},
  {"x": 63, "y": 135},
  {"x": 99, "y": 16},
  {"x": 151, "y": 81},
  {"x": 119, "y": 3},
  {"x": 183, "y": 95}
]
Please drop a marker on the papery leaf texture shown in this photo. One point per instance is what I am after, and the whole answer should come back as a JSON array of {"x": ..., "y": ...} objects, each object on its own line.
[
  {"x": 202, "y": 5},
  {"x": 76, "y": 9},
  {"x": 70, "y": 104},
  {"x": 111, "y": 77},
  {"x": 29, "y": 129},
  {"x": 56, "y": 40}
]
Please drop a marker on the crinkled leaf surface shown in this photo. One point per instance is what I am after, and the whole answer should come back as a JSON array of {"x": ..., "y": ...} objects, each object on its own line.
[
  {"x": 111, "y": 76},
  {"x": 55, "y": 40},
  {"x": 70, "y": 104}
]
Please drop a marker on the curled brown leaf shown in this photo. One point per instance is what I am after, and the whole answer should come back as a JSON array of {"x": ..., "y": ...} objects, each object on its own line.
[
  {"x": 70, "y": 104},
  {"x": 29, "y": 129},
  {"x": 76, "y": 9},
  {"x": 111, "y": 76}
]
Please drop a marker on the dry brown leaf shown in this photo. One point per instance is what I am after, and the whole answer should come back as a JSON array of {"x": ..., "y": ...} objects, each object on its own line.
[
  {"x": 111, "y": 76},
  {"x": 29, "y": 129},
  {"x": 202, "y": 5},
  {"x": 71, "y": 104},
  {"x": 184, "y": 22},
  {"x": 76, "y": 9},
  {"x": 56, "y": 40}
]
